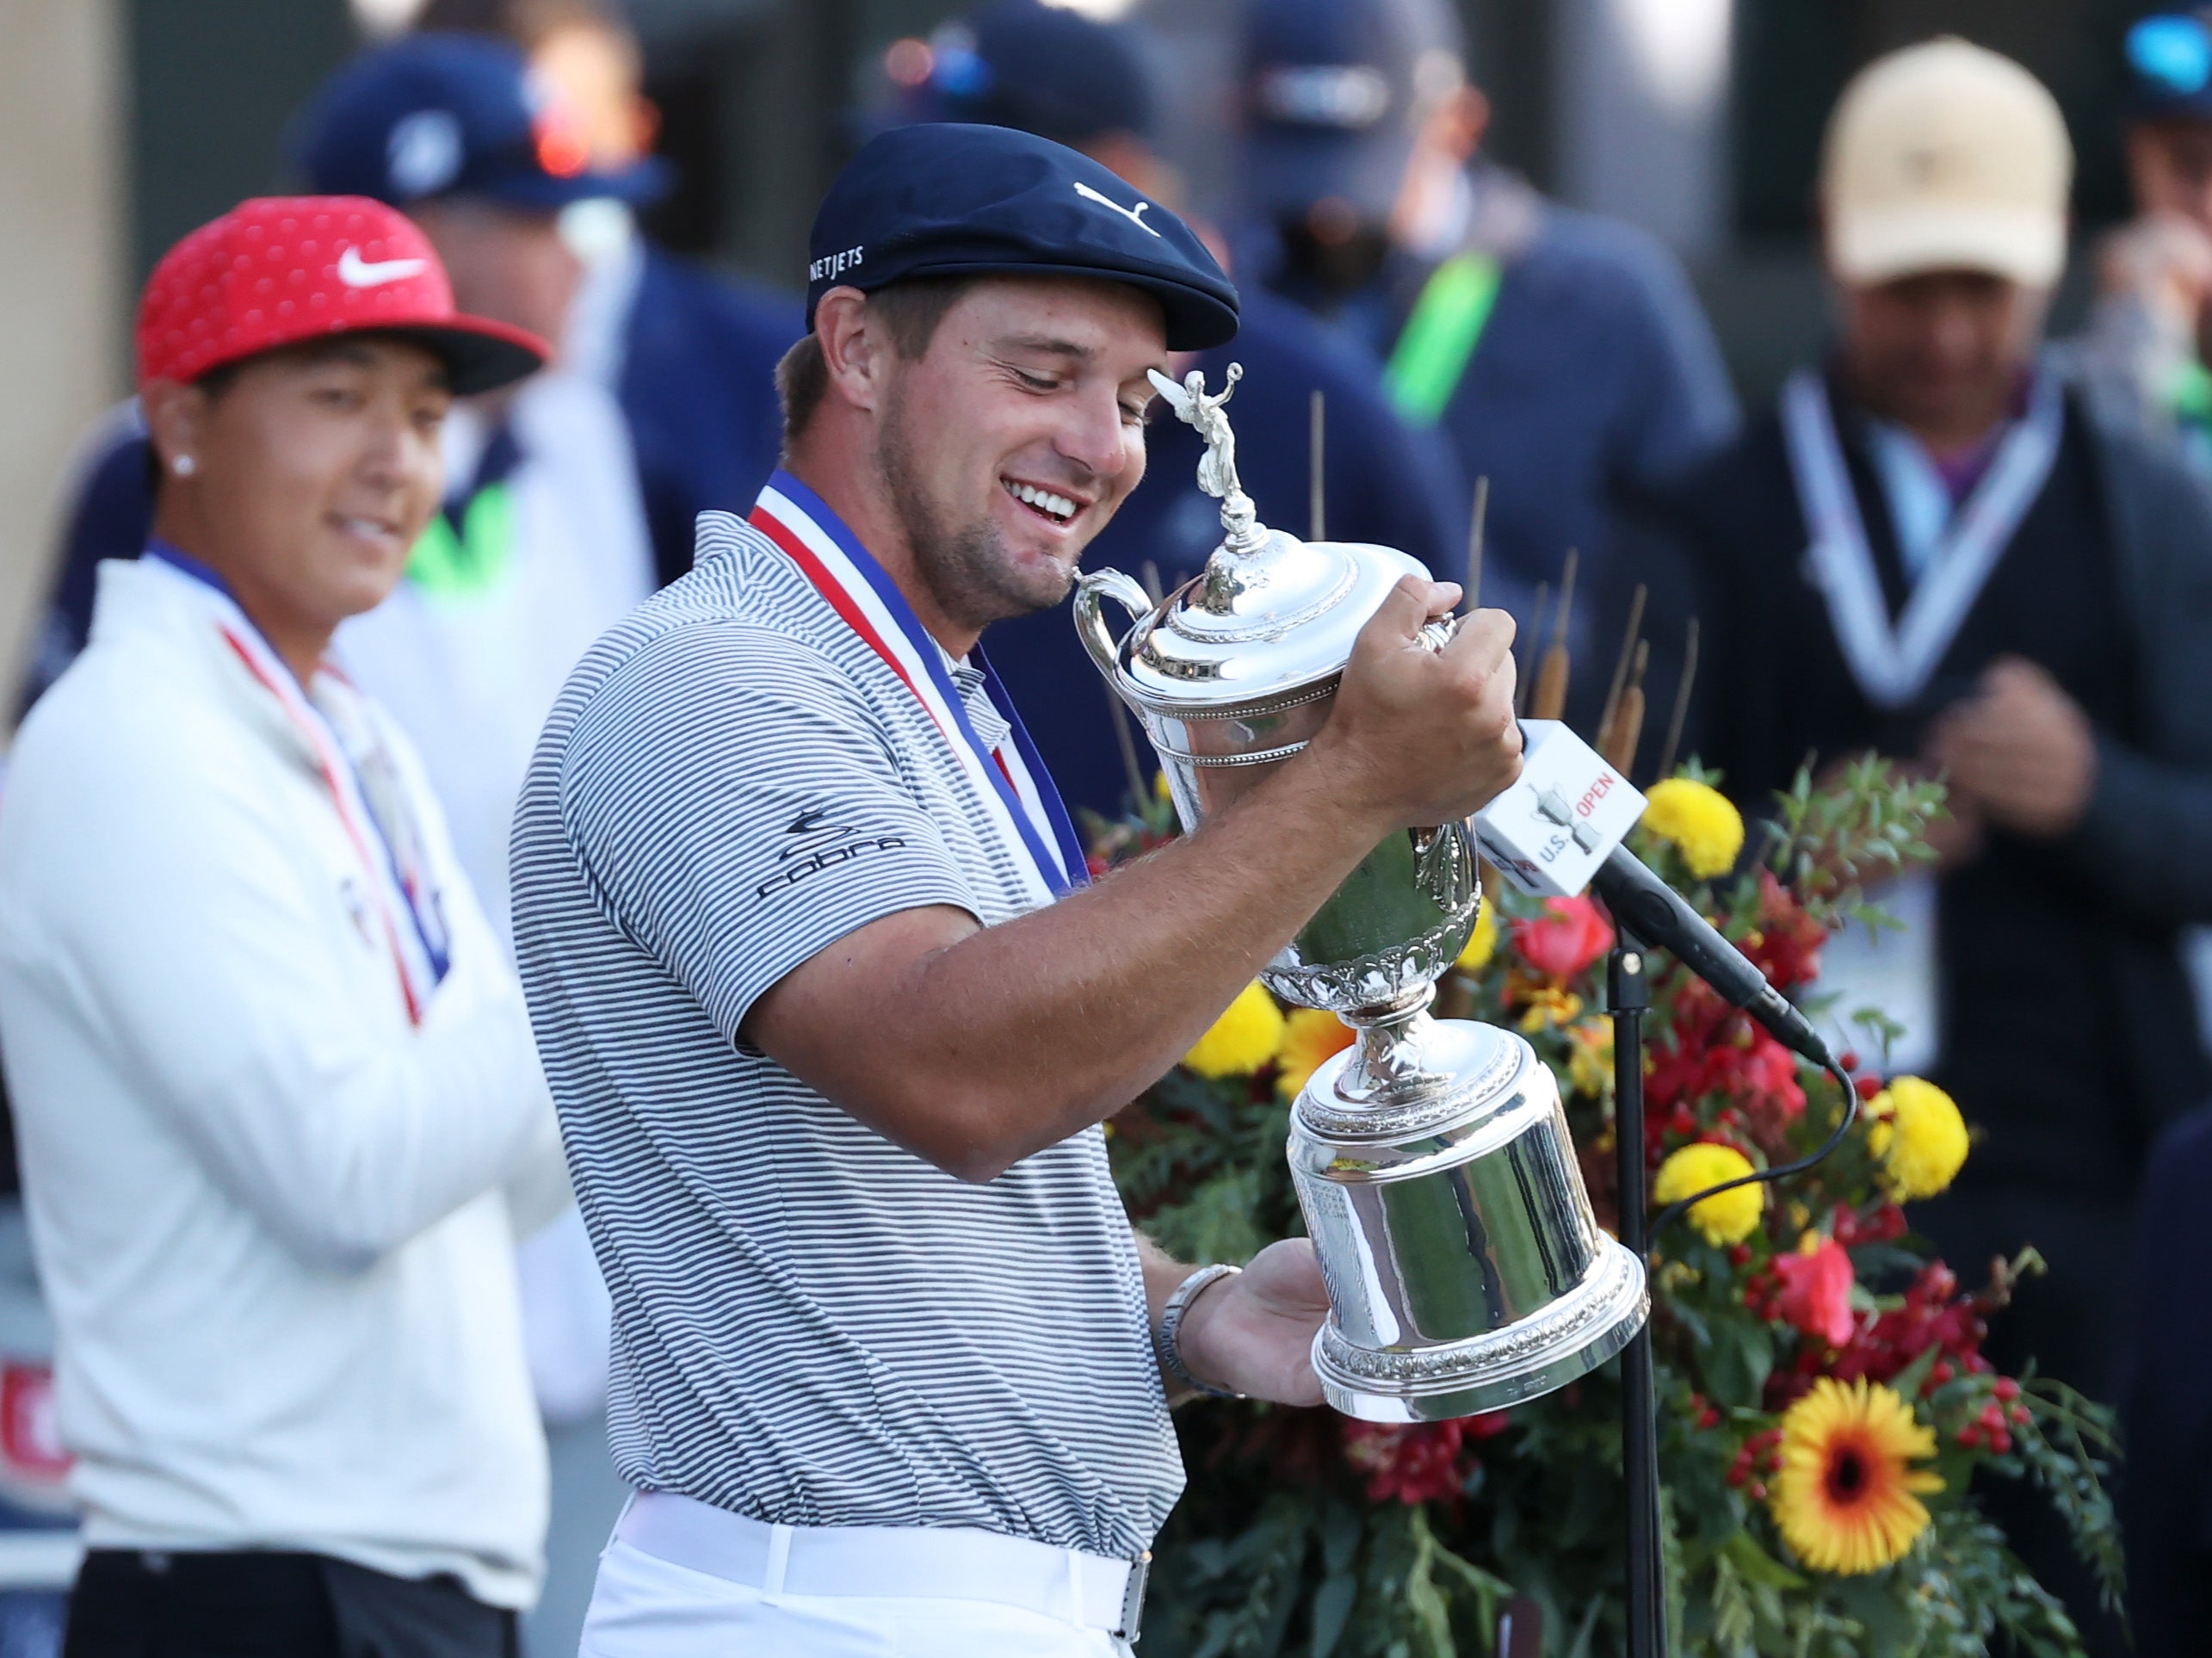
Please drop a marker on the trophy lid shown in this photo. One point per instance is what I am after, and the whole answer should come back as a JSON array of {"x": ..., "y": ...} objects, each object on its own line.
[{"x": 1271, "y": 614}]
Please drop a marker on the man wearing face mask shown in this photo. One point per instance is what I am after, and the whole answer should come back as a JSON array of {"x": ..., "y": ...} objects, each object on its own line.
[
  {"x": 2145, "y": 348},
  {"x": 690, "y": 351},
  {"x": 1562, "y": 354},
  {"x": 1937, "y": 549}
]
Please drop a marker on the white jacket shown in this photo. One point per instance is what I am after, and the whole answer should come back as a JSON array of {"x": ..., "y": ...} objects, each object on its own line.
[{"x": 267, "y": 1208}]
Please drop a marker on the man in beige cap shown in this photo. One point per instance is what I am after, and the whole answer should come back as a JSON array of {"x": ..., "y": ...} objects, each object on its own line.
[{"x": 1935, "y": 550}]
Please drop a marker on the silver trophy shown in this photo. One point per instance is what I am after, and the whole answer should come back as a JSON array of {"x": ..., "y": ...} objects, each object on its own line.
[{"x": 1466, "y": 1272}]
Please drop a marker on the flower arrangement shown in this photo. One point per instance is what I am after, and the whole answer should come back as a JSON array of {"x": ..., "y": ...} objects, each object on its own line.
[{"x": 1826, "y": 1410}]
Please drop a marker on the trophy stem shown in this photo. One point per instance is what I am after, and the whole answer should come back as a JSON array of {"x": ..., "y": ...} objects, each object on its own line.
[{"x": 1392, "y": 1061}]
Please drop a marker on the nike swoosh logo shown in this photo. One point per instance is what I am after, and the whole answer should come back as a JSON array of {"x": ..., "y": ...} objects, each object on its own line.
[
  {"x": 1135, "y": 215},
  {"x": 357, "y": 272}
]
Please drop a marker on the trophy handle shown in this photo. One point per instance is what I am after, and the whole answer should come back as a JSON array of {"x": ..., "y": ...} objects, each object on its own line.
[{"x": 1091, "y": 626}]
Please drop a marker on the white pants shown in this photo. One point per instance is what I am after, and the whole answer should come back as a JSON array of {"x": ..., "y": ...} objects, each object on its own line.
[
  {"x": 681, "y": 1578},
  {"x": 644, "y": 1607}
]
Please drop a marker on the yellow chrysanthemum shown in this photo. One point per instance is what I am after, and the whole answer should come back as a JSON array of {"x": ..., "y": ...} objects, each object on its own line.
[
  {"x": 1590, "y": 1057},
  {"x": 1242, "y": 1040},
  {"x": 1846, "y": 1497},
  {"x": 1725, "y": 1218},
  {"x": 1920, "y": 1136},
  {"x": 1482, "y": 943},
  {"x": 1549, "y": 1005},
  {"x": 1700, "y": 821},
  {"x": 1310, "y": 1035}
]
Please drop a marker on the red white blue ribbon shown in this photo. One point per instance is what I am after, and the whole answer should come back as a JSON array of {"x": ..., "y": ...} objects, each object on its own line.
[
  {"x": 402, "y": 899},
  {"x": 1010, "y": 782}
]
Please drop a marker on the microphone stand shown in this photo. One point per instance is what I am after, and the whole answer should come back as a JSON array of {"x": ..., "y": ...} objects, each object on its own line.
[{"x": 1629, "y": 996}]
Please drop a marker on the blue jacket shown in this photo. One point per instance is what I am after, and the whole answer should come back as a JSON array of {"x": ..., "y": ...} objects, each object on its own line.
[
  {"x": 698, "y": 389},
  {"x": 2166, "y": 1414},
  {"x": 1595, "y": 375}
]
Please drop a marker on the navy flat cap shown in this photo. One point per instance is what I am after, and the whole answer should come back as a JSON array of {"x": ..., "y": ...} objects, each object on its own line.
[{"x": 950, "y": 200}]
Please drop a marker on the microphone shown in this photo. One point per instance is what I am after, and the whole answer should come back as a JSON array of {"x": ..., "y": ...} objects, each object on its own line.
[
  {"x": 1654, "y": 912},
  {"x": 1557, "y": 832}
]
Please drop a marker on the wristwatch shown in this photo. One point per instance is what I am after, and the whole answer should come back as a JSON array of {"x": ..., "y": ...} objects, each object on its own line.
[{"x": 1165, "y": 1335}]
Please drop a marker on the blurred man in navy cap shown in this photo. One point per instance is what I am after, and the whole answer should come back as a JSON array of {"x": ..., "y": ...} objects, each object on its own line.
[
  {"x": 690, "y": 353},
  {"x": 1564, "y": 354},
  {"x": 830, "y": 1012},
  {"x": 1085, "y": 85}
]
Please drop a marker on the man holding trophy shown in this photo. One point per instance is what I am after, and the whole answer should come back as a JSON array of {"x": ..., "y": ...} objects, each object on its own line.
[{"x": 830, "y": 1011}]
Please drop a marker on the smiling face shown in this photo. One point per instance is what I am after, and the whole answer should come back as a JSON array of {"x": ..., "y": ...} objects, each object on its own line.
[
  {"x": 314, "y": 470},
  {"x": 1009, "y": 441}
]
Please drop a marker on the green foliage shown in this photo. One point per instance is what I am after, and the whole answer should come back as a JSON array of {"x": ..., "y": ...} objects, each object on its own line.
[{"x": 1826, "y": 844}]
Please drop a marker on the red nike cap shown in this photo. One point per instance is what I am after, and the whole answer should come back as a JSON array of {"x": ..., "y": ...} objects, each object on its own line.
[{"x": 277, "y": 270}]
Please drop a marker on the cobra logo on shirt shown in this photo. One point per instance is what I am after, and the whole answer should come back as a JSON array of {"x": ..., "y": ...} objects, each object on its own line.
[{"x": 815, "y": 843}]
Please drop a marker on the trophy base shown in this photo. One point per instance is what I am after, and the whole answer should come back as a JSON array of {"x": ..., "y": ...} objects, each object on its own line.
[{"x": 1566, "y": 1340}]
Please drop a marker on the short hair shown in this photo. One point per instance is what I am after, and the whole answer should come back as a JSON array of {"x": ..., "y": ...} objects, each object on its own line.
[{"x": 911, "y": 311}]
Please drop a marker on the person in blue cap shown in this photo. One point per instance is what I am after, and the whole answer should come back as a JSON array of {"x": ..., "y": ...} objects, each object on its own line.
[
  {"x": 1086, "y": 85},
  {"x": 690, "y": 353},
  {"x": 830, "y": 1011},
  {"x": 1563, "y": 353},
  {"x": 2144, "y": 352}
]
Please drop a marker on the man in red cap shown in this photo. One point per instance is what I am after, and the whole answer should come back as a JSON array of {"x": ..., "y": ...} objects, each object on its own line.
[{"x": 279, "y": 1111}]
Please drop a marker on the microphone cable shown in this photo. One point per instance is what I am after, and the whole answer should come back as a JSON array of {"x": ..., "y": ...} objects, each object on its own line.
[{"x": 1781, "y": 1171}]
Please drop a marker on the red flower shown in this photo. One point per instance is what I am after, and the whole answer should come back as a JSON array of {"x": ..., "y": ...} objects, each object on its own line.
[
  {"x": 1816, "y": 1292},
  {"x": 1934, "y": 1315},
  {"x": 1424, "y": 1462},
  {"x": 1885, "y": 1225},
  {"x": 1731, "y": 1058},
  {"x": 1787, "y": 946},
  {"x": 1766, "y": 1082},
  {"x": 1562, "y": 943}
]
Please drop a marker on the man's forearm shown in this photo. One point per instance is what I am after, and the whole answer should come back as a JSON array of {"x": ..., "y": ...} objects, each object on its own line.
[
  {"x": 976, "y": 1046},
  {"x": 1125, "y": 976}
]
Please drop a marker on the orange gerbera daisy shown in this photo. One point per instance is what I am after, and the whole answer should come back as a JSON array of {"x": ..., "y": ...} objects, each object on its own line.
[{"x": 1847, "y": 1498}]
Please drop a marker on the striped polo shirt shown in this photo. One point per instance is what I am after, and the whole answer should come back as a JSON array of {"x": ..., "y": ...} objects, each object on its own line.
[{"x": 811, "y": 1326}]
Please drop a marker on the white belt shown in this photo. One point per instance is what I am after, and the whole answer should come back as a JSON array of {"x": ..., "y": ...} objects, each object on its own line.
[{"x": 919, "y": 1562}]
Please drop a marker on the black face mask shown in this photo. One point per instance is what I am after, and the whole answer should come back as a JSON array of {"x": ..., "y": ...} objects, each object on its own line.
[{"x": 1338, "y": 266}]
